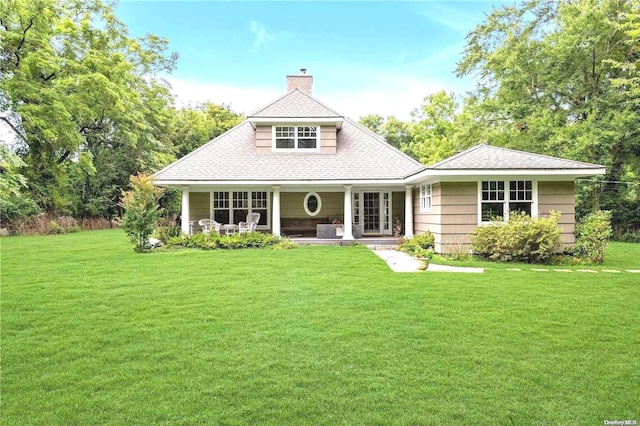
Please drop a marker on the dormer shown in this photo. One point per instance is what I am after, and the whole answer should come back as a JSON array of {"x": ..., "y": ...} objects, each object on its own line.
[{"x": 296, "y": 122}]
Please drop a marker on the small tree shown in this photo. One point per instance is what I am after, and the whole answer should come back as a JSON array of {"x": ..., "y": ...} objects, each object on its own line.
[
  {"x": 141, "y": 209},
  {"x": 593, "y": 233}
]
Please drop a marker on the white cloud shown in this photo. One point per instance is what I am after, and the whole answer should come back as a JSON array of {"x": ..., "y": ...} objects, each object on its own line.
[
  {"x": 261, "y": 34},
  {"x": 353, "y": 95},
  {"x": 240, "y": 99}
]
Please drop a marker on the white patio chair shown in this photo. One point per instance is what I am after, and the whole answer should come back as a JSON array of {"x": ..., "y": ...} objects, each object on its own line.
[
  {"x": 250, "y": 224},
  {"x": 209, "y": 225}
]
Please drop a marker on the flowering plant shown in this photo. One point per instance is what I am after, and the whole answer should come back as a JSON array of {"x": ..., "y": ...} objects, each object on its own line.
[{"x": 423, "y": 253}]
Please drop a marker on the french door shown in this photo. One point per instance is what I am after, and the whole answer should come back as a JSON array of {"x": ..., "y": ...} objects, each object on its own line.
[{"x": 372, "y": 210}]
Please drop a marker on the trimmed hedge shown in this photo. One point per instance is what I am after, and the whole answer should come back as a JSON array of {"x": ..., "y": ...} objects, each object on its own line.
[
  {"x": 522, "y": 239},
  {"x": 227, "y": 242}
]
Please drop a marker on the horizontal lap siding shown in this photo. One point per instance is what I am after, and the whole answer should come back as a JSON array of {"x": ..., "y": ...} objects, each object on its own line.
[
  {"x": 328, "y": 139},
  {"x": 559, "y": 196},
  {"x": 198, "y": 206},
  {"x": 264, "y": 137},
  {"x": 459, "y": 207},
  {"x": 292, "y": 205},
  {"x": 424, "y": 222}
]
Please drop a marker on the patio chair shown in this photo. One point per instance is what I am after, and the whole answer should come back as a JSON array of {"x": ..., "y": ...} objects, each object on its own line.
[
  {"x": 250, "y": 224},
  {"x": 209, "y": 225}
]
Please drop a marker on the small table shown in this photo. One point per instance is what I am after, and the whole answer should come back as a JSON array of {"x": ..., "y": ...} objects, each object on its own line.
[{"x": 230, "y": 228}]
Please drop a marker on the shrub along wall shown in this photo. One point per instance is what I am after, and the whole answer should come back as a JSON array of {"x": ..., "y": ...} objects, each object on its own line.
[{"x": 522, "y": 239}]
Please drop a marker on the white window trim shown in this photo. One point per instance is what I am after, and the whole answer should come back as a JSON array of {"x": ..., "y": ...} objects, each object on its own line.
[
  {"x": 426, "y": 200},
  {"x": 296, "y": 149},
  {"x": 250, "y": 206},
  {"x": 534, "y": 198},
  {"x": 306, "y": 208}
]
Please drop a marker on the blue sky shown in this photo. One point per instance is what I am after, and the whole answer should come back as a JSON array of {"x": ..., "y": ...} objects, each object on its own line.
[{"x": 365, "y": 56}]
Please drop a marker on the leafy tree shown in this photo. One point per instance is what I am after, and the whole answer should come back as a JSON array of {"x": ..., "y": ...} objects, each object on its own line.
[
  {"x": 15, "y": 202},
  {"x": 396, "y": 132},
  {"x": 561, "y": 78},
  {"x": 197, "y": 125},
  {"x": 72, "y": 82},
  {"x": 141, "y": 209}
]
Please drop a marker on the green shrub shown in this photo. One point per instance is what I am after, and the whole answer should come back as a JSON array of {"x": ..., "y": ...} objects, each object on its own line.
[
  {"x": 522, "y": 239},
  {"x": 425, "y": 241},
  {"x": 229, "y": 242},
  {"x": 593, "y": 234},
  {"x": 141, "y": 209},
  {"x": 165, "y": 233}
]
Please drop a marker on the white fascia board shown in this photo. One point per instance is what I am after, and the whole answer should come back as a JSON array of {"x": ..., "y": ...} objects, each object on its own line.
[
  {"x": 430, "y": 174},
  {"x": 300, "y": 183},
  {"x": 297, "y": 120}
]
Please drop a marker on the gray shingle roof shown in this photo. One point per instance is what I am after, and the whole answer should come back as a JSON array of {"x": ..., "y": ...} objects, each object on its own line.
[
  {"x": 295, "y": 104},
  {"x": 232, "y": 156},
  {"x": 483, "y": 156}
]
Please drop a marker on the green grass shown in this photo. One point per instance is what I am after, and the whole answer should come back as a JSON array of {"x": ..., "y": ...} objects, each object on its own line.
[{"x": 93, "y": 333}]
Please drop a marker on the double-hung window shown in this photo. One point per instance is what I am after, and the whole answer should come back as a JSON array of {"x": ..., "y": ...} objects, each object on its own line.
[
  {"x": 291, "y": 138},
  {"x": 498, "y": 198},
  {"x": 426, "y": 199},
  {"x": 233, "y": 206}
]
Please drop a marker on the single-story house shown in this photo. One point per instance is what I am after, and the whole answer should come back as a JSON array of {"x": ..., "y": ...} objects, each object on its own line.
[{"x": 300, "y": 164}]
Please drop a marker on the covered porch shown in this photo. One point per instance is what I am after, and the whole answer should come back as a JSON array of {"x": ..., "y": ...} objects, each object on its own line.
[{"x": 330, "y": 212}]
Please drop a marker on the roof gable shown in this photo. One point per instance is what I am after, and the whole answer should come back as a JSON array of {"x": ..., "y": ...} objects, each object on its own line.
[
  {"x": 295, "y": 104},
  {"x": 482, "y": 157},
  {"x": 232, "y": 157}
]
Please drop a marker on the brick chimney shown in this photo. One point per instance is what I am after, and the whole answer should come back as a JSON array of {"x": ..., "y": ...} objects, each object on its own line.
[{"x": 302, "y": 82}]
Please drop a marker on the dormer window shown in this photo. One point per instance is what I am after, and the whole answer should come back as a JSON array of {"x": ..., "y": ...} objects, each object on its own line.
[{"x": 292, "y": 138}]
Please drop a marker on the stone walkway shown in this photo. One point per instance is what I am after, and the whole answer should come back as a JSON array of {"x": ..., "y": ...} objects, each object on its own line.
[{"x": 401, "y": 262}]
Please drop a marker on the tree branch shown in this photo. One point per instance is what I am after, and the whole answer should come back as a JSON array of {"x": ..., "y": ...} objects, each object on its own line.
[
  {"x": 24, "y": 38},
  {"x": 64, "y": 157},
  {"x": 15, "y": 129}
]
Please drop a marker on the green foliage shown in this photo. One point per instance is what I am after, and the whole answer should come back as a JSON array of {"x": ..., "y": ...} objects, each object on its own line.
[
  {"x": 197, "y": 125},
  {"x": 419, "y": 243},
  {"x": 230, "y": 242},
  {"x": 522, "y": 239},
  {"x": 593, "y": 233},
  {"x": 562, "y": 78},
  {"x": 141, "y": 209},
  {"x": 165, "y": 233},
  {"x": 15, "y": 201},
  {"x": 396, "y": 132},
  {"x": 83, "y": 100}
]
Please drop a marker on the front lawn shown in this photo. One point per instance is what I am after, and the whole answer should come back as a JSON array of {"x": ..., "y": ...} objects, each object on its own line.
[{"x": 93, "y": 333}]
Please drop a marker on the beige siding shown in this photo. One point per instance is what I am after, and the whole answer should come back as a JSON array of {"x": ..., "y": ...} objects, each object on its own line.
[
  {"x": 559, "y": 196},
  {"x": 264, "y": 137},
  {"x": 423, "y": 222},
  {"x": 292, "y": 205},
  {"x": 454, "y": 215},
  {"x": 328, "y": 139},
  {"x": 198, "y": 207},
  {"x": 459, "y": 207}
]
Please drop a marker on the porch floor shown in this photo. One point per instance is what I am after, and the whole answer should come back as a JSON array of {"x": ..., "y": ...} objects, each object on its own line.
[{"x": 367, "y": 241}]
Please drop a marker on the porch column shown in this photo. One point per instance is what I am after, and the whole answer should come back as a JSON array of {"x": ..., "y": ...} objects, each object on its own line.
[
  {"x": 186, "y": 228},
  {"x": 408, "y": 211},
  {"x": 348, "y": 214},
  {"x": 275, "y": 224}
]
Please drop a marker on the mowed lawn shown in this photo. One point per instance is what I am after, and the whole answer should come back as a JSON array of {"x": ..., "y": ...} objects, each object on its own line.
[{"x": 93, "y": 333}]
